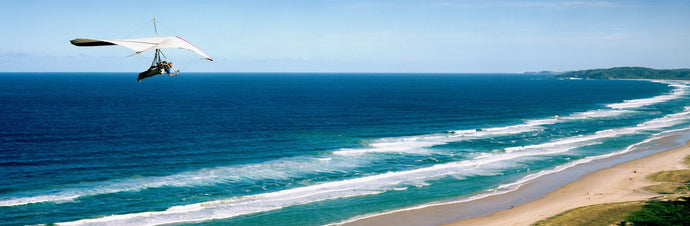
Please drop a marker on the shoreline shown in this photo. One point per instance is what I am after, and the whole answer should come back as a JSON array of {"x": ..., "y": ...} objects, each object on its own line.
[
  {"x": 615, "y": 179},
  {"x": 620, "y": 183}
]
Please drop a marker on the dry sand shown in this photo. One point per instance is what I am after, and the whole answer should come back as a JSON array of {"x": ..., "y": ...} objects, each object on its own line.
[
  {"x": 618, "y": 183},
  {"x": 622, "y": 182}
]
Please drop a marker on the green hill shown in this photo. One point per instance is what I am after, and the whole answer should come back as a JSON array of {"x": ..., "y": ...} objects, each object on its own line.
[{"x": 629, "y": 73}]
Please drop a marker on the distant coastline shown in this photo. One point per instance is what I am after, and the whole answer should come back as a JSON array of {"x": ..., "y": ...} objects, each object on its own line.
[{"x": 629, "y": 73}]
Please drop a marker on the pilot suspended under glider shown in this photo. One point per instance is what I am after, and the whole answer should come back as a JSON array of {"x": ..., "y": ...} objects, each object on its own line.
[{"x": 139, "y": 45}]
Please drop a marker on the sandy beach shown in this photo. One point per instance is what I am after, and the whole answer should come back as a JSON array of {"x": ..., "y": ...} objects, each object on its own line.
[
  {"x": 622, "y": 182},
  {"x": 618, "y": 183}
]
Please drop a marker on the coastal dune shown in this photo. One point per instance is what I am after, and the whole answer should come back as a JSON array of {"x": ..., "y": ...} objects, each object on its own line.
[{"x": 619, "y": 183}]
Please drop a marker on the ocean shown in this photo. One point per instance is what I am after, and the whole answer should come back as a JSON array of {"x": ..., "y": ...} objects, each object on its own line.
[{"x": 303, "y": 148}]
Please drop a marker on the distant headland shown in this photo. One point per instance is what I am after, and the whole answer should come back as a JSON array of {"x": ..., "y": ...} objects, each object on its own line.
[{"x": 629, "y": 73}]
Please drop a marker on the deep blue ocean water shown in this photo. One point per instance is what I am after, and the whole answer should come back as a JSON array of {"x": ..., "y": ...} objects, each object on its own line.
[{"x": 301, "y": 149}]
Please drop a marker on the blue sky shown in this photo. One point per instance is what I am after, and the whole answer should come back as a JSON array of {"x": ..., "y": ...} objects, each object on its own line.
[{"x": 351, "y": 35}]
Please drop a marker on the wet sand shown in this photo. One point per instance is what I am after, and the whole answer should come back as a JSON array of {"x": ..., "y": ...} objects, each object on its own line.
[
  {"x": 603, "y": 181},
  {"x": 619, "y": 183}
]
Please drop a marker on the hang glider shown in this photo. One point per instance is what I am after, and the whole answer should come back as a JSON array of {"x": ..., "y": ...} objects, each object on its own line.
[{"x": 140, "y": 45}]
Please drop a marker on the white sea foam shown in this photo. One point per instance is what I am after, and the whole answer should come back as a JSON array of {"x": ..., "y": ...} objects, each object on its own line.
[
  {"x": 601, "y": 113},
  {"x": 37, "y": 199},
  {"x": 375, "y": 184},
  {"x": 275, "y": 200},
  {"x": 654, "y": 124},
  {"x": 409, "y": 145},
  {"x": 276, "y": 169},
  {"x": 330, "y": 190},
  {"x": 419, "y": 144},
  {"x": 290, "y": 167},
  {"x": 679, "y": 90},
  {"x": 510, "y": 187}
]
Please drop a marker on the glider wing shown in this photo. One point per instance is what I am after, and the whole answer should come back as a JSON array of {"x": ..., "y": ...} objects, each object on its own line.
[{"x": 143, "y": 44}]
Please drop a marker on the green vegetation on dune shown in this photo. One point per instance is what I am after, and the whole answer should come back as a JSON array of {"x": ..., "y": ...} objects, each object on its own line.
[
  {"x": 662, "y": 213},
  {"x": 670, "y": 209},
  {"x": 669, "y": 188},
  {"x": 600, "y": 214},
  {"x": 679, "y": 176},
  {"x": 630, "y": 73},
  {"x": 669, "y": 212},
  {"x": 676, "y": 210}
]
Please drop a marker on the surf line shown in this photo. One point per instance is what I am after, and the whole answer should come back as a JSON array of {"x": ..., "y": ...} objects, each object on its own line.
[
  {"x": 383, "y": 145},
  {"x": 411, "y": 144},
  {"x": 510, "y": 187},
  {"x": 396, "y": 144},
  {"x": 376, "y": 184},
  {"x": 417, "y": 144},
  {"x": 679, "y": 91}
]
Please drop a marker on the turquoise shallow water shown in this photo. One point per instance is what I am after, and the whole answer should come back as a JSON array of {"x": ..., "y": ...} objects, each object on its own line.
[{"x": 301, "y": 149}]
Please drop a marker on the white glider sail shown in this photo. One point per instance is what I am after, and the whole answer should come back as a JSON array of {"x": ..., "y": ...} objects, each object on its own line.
[
  {"x": 143, "y": 44},
  {"x": 158, "y": 66}
]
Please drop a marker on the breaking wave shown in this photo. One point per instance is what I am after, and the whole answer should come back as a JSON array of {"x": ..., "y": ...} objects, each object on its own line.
[
  {"x": 350, "y": 158},
  {"x": 485, "y": 164}
]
